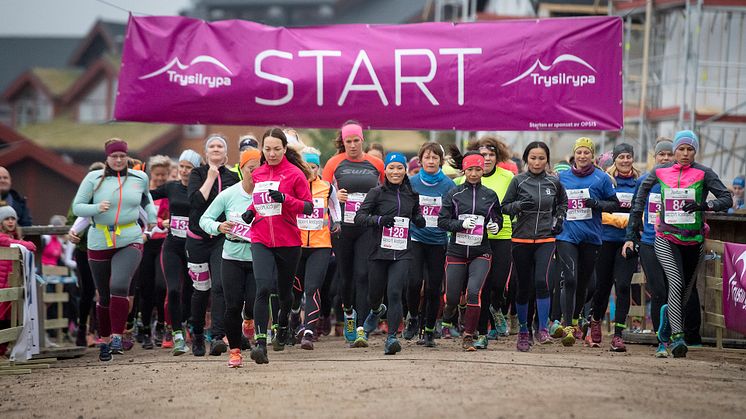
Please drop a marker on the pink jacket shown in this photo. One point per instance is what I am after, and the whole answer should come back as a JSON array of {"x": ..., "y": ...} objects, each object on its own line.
[
  {"x": 280, "y": 230},
  {"x": 6, "y": 267}
]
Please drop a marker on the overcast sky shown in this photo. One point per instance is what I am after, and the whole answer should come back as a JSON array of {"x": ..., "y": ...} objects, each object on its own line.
[{"x": 73, "y": 17}]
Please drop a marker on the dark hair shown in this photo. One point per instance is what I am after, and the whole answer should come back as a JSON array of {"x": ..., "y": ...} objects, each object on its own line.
[
  {"x": 375, "y": 146},
  {"x": 290, "y": 154},
  {"x": 434, "y": 147},
  {"x": 502, "y": 151},
  {"x": 535, "y": 144},
  {"x": 339, "y": 143},
  {"x": 457, "y": 159}
]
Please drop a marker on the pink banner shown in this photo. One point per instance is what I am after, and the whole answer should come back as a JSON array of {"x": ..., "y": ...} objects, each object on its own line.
[
  {"x": 734, "y": 287},
  {"x": 539, "y": 74}
]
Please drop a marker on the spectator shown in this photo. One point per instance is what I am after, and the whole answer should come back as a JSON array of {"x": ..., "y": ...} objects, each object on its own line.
[
  {"x": 376, "y": 150},
  {"x": 13, "y": 198},
  {"x": 738, "y": 195}
]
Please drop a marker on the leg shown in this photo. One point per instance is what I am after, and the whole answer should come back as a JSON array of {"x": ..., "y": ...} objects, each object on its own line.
[
  {"x": 523, "y": 256},
  {"x": 286, "y": 261},
  {"x": 543, "y": 267},
  {"x": 397, "y": 279},
  {"x": 198, "y": 254},
  {"x": 623, "y": 271},
  {"x": 234, "y": 284},
  {"x": 264, "y": 267},
  {"x": 101, "y": 272},
  {"x": 217, "y": 312},
  {"x": 455, "y": 278},
  {"x": 315, "y": 273},
  {"x": 416, "y": 276},
  {"x": 587, "y": 255},
  {"x": 604, "y": 278},
  {"x": 655, "y": 280},
  {"x": 435, "y": 260},
  {"x": 123, "y": 266},
  {"x": 670, "y": 259},
  {"x": 478, "y": 269},
  {"x": 567, "y": 254},
  {"x": 362, "y": 250}
]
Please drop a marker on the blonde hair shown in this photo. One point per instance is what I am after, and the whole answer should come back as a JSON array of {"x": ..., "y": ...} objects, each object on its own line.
[{"x": 159, "y": 160}]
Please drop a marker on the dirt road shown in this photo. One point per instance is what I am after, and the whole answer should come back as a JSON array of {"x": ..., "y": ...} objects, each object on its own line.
[{"x": 334, "y": 381}]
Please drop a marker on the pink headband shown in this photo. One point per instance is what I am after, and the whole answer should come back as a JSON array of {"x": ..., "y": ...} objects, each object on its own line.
[
  {"x": 351, "y": 130},
  {"x": 115, "y": 146},
  {"x": 473, "y": 160}
]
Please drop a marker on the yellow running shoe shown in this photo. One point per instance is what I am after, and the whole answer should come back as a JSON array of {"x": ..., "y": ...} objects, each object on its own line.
[{"x": 569, "y": 338}]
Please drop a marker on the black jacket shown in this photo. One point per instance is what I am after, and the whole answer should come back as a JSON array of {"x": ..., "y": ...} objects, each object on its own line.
[
  {"x": 18, "y": 202},
  {"x": 389, "y": 200},
  {"x": 547, "y": 199},
  {"x": 469, "y": 199},
  {"x": 198, "y": 202}
]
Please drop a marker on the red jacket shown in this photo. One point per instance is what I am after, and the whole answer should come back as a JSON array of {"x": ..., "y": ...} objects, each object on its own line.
[
  {"x": 6, "y": 267},
  {"x": 279, "y": 230}
]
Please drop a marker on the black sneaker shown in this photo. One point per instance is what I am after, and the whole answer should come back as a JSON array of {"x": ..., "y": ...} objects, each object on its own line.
[
  {"x": 81, "y": 335},
  {"x": 279, "y": 339},
  {"x": 218, "y": 347},
  {"x": 104, "y": 354},
  {"x": 147, "y": 342},
  {"x": 245, "y": 343},
  {"x": 198, "y": 344},
  {"x": 412, "y": 328},
  {"x": 158, "y": 335},
  {"x": 259, "y": 353},
  {"x": 430, "y": 340}
]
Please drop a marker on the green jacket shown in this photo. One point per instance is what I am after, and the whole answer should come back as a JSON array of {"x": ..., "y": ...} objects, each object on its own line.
[{"x": 232, "y": 202}]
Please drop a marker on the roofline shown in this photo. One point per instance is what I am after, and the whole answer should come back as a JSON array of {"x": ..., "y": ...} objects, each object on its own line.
[
  {"x": 83, "y": 82},
  {"x": 97, "y": 28},
  {"x": 27, "y": 76},
  {"x": 165, "y": 138}
]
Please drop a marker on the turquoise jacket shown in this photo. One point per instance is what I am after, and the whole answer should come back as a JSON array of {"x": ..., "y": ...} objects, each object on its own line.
[
  {"x": 232, "y": 202},
  {"x": 117, "y": 227}
]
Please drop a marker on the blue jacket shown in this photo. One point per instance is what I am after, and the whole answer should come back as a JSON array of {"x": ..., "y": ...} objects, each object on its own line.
[
  {"x": 625, "y": 191},
  {"x": 430, "y": 235},
  {"x": 598, "y": 186}
]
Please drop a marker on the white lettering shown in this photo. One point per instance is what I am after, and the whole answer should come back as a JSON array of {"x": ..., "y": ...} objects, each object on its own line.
[
  {"x": 419, "y": 81},
  {"x": 563, "y": 79},
  {"x": 460, "y": 52},
  {"x": 362, "y": 57},
  {"x": 272, "y": 77},
  {"x": 319, "y": 54}
]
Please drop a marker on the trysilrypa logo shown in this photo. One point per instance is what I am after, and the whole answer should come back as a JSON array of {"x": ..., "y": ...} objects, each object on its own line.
[
  {"x": 177, "y": 75},
  {"x": 561, "y": 79}
]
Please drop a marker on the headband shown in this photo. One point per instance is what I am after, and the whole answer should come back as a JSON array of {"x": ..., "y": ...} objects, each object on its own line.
[
  {"x": 473, "y": 160},
  {"x": 312, "y": 158},
  {"x": 249, "y": 154},
  {"x": 351, "y": 130},
  {"x": 115, "y": 146}
]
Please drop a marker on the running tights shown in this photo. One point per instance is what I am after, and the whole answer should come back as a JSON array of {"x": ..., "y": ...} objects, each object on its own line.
[
  {"x": 462, "y": 273},
  {"x": 152, "y": 284},
  {"x": 680, "y": 263},
  {"x": 428, "y": 265},
  {"x": 352, "y": 248},
  {"x": 267, "y": 261},
  {"x": 533, "y": 263},
  {"x": 495, "y": 287},
  {"x": 112, "y": 271},
  {"x": 577, "y": 262},
  {"x": 613, "y": 269},
  {"x": 87, "y": 287},
  {"x": 174, "y": 267},
  {"x": 391, "y": 273},
  {"x": 312, "y": 273},
  {"x": 201, "y": 253},
  {"x": 239, "y": 288}
]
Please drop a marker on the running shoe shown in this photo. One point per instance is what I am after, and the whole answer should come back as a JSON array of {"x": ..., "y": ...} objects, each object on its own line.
[
  {"x": 235, "y": 359},
  {"x": 371, "y": 322},
  {"x": 361, "y": 340},
  {"x": 307, "y": 341},
  {"x": 543, "y": 337},
  {"x": 247, "y": 327},
  {"x": 245, "y": 344},
  {"x": 392, "y": 346},
  {"x": 104, "y": 354},
  {"x": 596, "y": 333},
  {"x": 325, "y": 326},
  {"x": 349, "y": 326},
  {"x": 159, "y": 335},
  {"x": 168, "y": 339},
  {"x": 617, "y": 344},
  {"x": 523, "y": 344},
  {"x": 412, "y": 329},
  {"x": 179, "y": 344},
  {"x": 481, "y": 342},
  {"x": 530, "y": 337},
  {"x": 294, "y": 323},
  {"x": 80, "y": 336},
  {"x": 664, "y": 326},
  {"x": 569, "y": 336},
  {"x": 127, "y": 341},
  {"x": 339, "y": 328},
  {"x": 217, "y": 347},
  {"x": 556, "y": 330},
  {"x": 116, "y": 345},
  {"x": 198, "y": 344},
  {"x": 429, "y": 340},
  {"x": 501, "y": 325},
  {"x": 467, "y": 343},
  {"x": 147, "y": 341},
  {"x": 279, "y": 339},
  {"x": 259, "y": 353},
  {"x": 577, "y": 332},
  {"x": 662, "y": 351},
  {"x": 678, "y": 347},
  {"x": 515, "y": 326},
  {"x": 492, "y": 334},
  {"x": 446, "y": 333}
]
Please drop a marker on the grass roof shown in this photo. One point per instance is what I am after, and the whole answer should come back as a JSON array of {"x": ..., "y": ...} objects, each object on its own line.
[{"x": 57, "y": 80}]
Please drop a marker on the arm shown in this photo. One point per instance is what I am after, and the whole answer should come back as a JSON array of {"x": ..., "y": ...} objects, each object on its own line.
[
  {"x": 300, "y": 200},
  {"x": 417, "y": 218},
  {"x": 445, "y": 219},
  {"x": 83, "y": 205},
  {"x": 496, "y": 214},
  {"x": 67, "y": 255},
  {"x": 613, "y": 220},
  {"x": 335, "y": 210},
  {"x": 146, "y": 202},
  {"x": 560, "y": 205},
  {"x": 638, "y": 207},
  {"x": 212, "y": 174},
  {"x": 509, "y": 204},
  {"x": 723, "y": 198},
  {"x": 159, "y": 192},
  {"x": 196, "y": 199},
  {"x": 80, "y": 224},
  {"x": 208, "y": 222},
  {"x": 366, "y": 216}
]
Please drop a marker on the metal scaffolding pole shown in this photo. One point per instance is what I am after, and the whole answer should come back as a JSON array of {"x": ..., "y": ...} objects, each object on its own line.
[{"x": 644, "y": 87}]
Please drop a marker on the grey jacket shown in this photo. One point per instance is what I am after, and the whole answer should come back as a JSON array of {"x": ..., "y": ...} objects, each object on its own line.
[{"x": 544, "y": 204}]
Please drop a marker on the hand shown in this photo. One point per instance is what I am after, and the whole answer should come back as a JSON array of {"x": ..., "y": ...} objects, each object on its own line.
[
  {"x": 590, "y": 203},
  {"x": 307, "y": 208},
  {"x": 628, "y": 246},
  {"x": 691, "y": 207},
  {"x": 248, "y": 216},
  {"x": 74, "y": 238},
  {"x": 151, "y": 226},
  {"x": 277, "y": 196},
  {"x": 213, "y": 172},
  {"x": 493, "y": 227},
  {"x": 419, "y": 221},
  {"x": 104, "y": 206},
  {"x": 336, "y": 227},
  {"x": 386, "y": 221},
  {"x": 166, "y": 224},
  {"x": 469, "y": 223},
  {"x": 557, "y": 227},
  {"x": 342, "y": 195},
  {"x": 226, "y": 226}
]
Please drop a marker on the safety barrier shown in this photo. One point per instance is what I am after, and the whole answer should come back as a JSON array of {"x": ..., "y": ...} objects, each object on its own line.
[{"x": 14, "y": 295}]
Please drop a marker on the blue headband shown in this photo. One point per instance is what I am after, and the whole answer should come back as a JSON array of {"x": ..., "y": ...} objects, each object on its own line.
[
  {"x": 396, "y": 157},
  {"x": 739, "y": 181},
  {"x": 312, "y": 158}
]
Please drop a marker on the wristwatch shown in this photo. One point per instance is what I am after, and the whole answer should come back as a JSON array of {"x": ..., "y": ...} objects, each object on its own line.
[{"x": 710, "y": 205}]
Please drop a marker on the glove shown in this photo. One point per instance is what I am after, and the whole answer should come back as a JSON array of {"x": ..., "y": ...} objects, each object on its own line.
[
  {"x": 419, "y": 221},
  {"x": 557, "y": 227},
  {"x": 386, "y": 221},
  {"x": 691, "y": 207},
  {"x": 590, "y": 203},
  {"x": 307, "y": 207},
  {"x": 277, "y": 196},
  {"x": 336, "y": 227},
  {"x": 248, "y": 216},
  {"x": 493, "y": 227},
  {"x": 631, "y": 253},
  {"x": 469, "y": 223}
]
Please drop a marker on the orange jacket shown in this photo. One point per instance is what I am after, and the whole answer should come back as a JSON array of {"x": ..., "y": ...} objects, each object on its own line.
[{"x": 323, "y": 194}]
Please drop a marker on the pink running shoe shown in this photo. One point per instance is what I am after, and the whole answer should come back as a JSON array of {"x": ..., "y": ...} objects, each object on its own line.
[{"x": 617, "y": 344}]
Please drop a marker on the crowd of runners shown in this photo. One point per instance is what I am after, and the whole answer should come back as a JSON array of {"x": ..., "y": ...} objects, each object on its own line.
[{"x": 280, "y": 250}]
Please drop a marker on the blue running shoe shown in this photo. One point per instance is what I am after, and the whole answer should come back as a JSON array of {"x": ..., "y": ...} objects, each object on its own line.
[
  {"x": 664, "y": 326},
  {"x": 104, "y": 354},
  {"x": 116, "y": 345},
  {"x": 392, "y": 346},
  {"x": 500, "y": 323},
  {"x": 481, "y": 342},
  {"x": 350, "y": 326},
  {"x": 371, "y": 322},
  {"x": 492, "y": 334},
  {"x": 678, "y": 347},
  {"x": 662, "y": 351}
]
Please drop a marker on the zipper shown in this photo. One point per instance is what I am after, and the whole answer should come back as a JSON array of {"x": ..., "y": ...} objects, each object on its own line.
[
  {"x": 473, "y": 209},
  {"x": 271, "y": 230},
  {"x": 398, "y": 209},
  {"x": 538, "y": 212}
]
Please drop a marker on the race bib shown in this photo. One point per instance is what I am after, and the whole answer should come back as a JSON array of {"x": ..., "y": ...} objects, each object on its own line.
[
  {"x": 675, "y": 199},
  {"x": 654, "y": 207},
  {"x": 471, "y": 237},
  {"x": 179, "y": 226},
  {"x": 395, "y": 238},
  {"x": 354, "y": 200},
  {"x": 625, "y": 199},
  {"x": 430, "y": 208},
  {"x": 576, "y": 209},
  {"x": 264, "y": 205},
  {"x": 315, "y": 221},
  {"x": 240, "y": 230}
]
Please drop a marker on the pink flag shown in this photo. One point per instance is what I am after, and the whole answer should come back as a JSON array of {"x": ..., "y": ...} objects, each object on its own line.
[{"x": 734, "y": 287}]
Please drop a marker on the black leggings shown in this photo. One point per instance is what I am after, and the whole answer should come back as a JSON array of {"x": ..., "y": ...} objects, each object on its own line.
[
  {"x": 680, "y": 266},
  {"x": 497, "y": 281},
  {"x": 86, "y": 285},
  {"x": 469, "y": 274},
  {"x": 577, "y": 262},
  {"x": 352, "y": 248},
  {"x": 239, "y": 288},
  {"x": 312, "y": 268},
  {"x": 199, "y": 253},
  {"x": 267, "y": 261},
  {"x": 152, "y": 283},
  {"x": 428, "y": 264},
  {"x": 613, "y": 269},
  {"x": 174, "y": 267},
  {"x": 533, "y": 262},
  {"x": 391, "y": 273}
]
